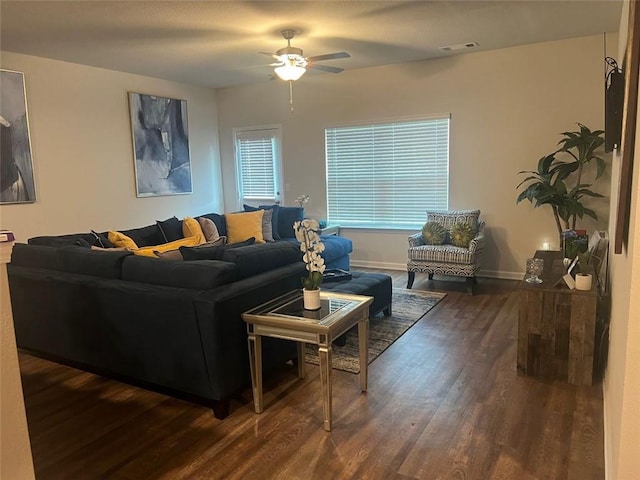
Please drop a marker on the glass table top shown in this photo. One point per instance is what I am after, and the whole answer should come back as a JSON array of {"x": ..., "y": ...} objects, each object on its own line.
[{"x": 290, "y": 306}]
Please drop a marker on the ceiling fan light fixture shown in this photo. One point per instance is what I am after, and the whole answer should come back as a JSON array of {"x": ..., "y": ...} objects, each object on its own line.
[
  {"x": 292, "y": 68},
  {"x": 290, "y": 72}
]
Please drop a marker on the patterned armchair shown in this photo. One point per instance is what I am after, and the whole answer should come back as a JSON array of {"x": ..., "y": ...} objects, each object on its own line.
[{"x": 448, "y": 259}]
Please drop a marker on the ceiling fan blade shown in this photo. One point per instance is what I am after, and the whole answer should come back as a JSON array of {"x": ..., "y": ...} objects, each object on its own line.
[
  {"x": 329, "y": 56},
  {"x": 325, "y": 68},
  {"x": 269, "y": 54}
]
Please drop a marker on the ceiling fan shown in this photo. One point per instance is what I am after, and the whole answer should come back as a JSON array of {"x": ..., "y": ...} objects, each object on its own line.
[{"x": 291, "y": 64}]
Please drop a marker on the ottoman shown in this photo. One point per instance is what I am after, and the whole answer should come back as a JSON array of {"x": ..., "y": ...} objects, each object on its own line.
[{"x": 376, "y": 285}]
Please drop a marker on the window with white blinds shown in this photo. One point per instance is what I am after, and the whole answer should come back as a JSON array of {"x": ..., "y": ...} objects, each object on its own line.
[
  {"x": 258, "y": 162},
  {"x": 387, "y": 175}
]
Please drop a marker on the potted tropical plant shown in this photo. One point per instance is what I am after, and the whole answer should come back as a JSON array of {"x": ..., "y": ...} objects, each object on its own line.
[{"x": 559, "y": 183}]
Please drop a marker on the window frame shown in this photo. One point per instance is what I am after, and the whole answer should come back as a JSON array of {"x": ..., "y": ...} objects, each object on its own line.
[
  {"x": 409, "y": 226},
  {"x": 277, "y": 160}
]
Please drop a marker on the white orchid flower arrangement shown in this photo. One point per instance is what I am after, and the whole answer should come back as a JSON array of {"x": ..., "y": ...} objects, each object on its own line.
[
  {"x": 311, "y": 246},
  {"x": 301, "y": 200}
]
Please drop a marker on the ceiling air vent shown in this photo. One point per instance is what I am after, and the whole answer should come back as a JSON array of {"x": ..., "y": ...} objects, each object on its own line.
[{"x": 460, "y": 46}]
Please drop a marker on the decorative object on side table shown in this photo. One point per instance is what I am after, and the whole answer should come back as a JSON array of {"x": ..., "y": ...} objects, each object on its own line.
[
  {"x": 311, "y": 246},
  {"x": 535, "y": 266},
  {"x": 574, "y": 242}
]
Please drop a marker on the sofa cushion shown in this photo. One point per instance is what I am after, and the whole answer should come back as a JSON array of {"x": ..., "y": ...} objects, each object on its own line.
[
  {"x": 335, "y": 247},
  {"x": 434, "y": 233},
  {"x": 99, "y": 263},
  {"x": 440, "y": 254},
  {"x": 61, "y": 240},
  {"x": 450, "y": 217},
  {"x": 209, "y": 229},
  {"x": 461, "y": 234},
  {"x": 200, "y": 275},
  {"x": 191, "y": 228},
  {"x": 275, "y": 218},
  {"x": 153, "y": 250},
  {"x": 120, "y": 239},
  {"x": 220, "y": 222},
  {"x": 216, "y": 252},
  {"x": 269, "y": 225},
  {"x": 287, "y": 216},
  {"x": 35, "y": 255},
  {"x": 171, "y": 229},
  {"x": 244, "y": 225},
  {"x": 254, "y": 259},
  {"x": 145, "y": 236},
  {"x": 177, "y": 254},
  {"x": 70, "y": 258}
]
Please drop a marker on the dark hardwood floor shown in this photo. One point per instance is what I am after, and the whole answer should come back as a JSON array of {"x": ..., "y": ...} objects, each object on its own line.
[{"x": 444, "y": 401}]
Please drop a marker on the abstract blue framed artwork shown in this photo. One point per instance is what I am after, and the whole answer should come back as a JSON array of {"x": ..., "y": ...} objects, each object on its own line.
[
  {"x": 161, "y": 145},
  {"x": 17, "y": 184}
]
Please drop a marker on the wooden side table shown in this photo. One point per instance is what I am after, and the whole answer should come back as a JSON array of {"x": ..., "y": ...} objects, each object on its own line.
[{"x": 556, "y": 326}]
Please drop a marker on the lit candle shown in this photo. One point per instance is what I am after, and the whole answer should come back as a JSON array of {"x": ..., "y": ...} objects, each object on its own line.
[{"x": 546, "y": 246}]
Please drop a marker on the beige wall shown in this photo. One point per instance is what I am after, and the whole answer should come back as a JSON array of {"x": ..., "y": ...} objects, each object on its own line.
[
  {"x": 507, "y": 110},
  {"x": 83, "y": 154},
  {"x": 622, "y": 379}
]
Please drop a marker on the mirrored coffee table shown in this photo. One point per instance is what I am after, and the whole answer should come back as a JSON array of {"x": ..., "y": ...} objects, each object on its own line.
[{"x": 284, "y": 317}]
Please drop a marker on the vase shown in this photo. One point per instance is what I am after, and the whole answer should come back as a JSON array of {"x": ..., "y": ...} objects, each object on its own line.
[
  {"x": 583, "y": 281},
  {"x": 311, "y": 299}
]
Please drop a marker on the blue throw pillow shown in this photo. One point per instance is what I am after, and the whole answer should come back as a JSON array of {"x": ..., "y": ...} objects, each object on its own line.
[{"x": 286, "y": 218}]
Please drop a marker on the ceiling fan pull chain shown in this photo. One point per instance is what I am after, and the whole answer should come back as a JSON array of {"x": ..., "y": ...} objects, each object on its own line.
[{"x": 291, "y": 95}]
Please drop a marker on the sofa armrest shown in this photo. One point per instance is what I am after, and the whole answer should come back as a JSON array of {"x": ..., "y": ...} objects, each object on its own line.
[
  {"x": 416, "y": 240},
  {"x": 477, "y": 244}
]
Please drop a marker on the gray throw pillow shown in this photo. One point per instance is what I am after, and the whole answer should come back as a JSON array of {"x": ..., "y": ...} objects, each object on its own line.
[{"x": 267, "y": 226}]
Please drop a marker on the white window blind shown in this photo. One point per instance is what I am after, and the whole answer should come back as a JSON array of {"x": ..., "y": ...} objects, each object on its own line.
[
  {"x": 387, "y": 175},
  {"x": 257, "y": 157}
]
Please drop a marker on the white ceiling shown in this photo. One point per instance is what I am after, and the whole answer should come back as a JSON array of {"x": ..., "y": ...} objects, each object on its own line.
[{"x": 216, "y": 43}]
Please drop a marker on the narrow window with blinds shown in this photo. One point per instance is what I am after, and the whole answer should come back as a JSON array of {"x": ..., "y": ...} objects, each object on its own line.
[
  {"x": 257, "y": 153},
  {"x": 387, "y": 175}
]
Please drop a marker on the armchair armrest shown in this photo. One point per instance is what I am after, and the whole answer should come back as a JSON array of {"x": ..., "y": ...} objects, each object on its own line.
[
  {"x": 477, "y": 244},
  {"x": 416, "y": 240}
]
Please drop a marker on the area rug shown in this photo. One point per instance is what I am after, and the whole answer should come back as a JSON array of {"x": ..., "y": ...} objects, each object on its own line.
[{"x": 408, "y": 306}]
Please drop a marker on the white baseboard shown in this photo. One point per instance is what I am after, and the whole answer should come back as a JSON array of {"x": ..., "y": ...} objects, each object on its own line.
[
  {"x": 380, "y": 265},
  {"x": 403, "y": 266}
]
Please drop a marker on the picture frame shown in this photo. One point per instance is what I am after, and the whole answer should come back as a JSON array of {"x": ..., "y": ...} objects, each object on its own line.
[
  {"x": 631, "y": 68},
  {"x": 160, "y": 134},
  {"x": 17, "y": 180}
]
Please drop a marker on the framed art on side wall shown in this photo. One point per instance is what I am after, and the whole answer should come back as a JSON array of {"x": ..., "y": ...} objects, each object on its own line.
[
  {"x": 161, "y": 145},
  {"x": 631, "y": 68},
  {"x": 17, "y": 184}
]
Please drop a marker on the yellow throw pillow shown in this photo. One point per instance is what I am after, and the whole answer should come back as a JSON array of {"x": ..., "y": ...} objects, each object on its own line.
[
  {"x": 121, "y": 240},
  {"x": 192, "y": 241},
  {"x": 244, "y": 225},
  {"x": 191, "y": 228}
]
